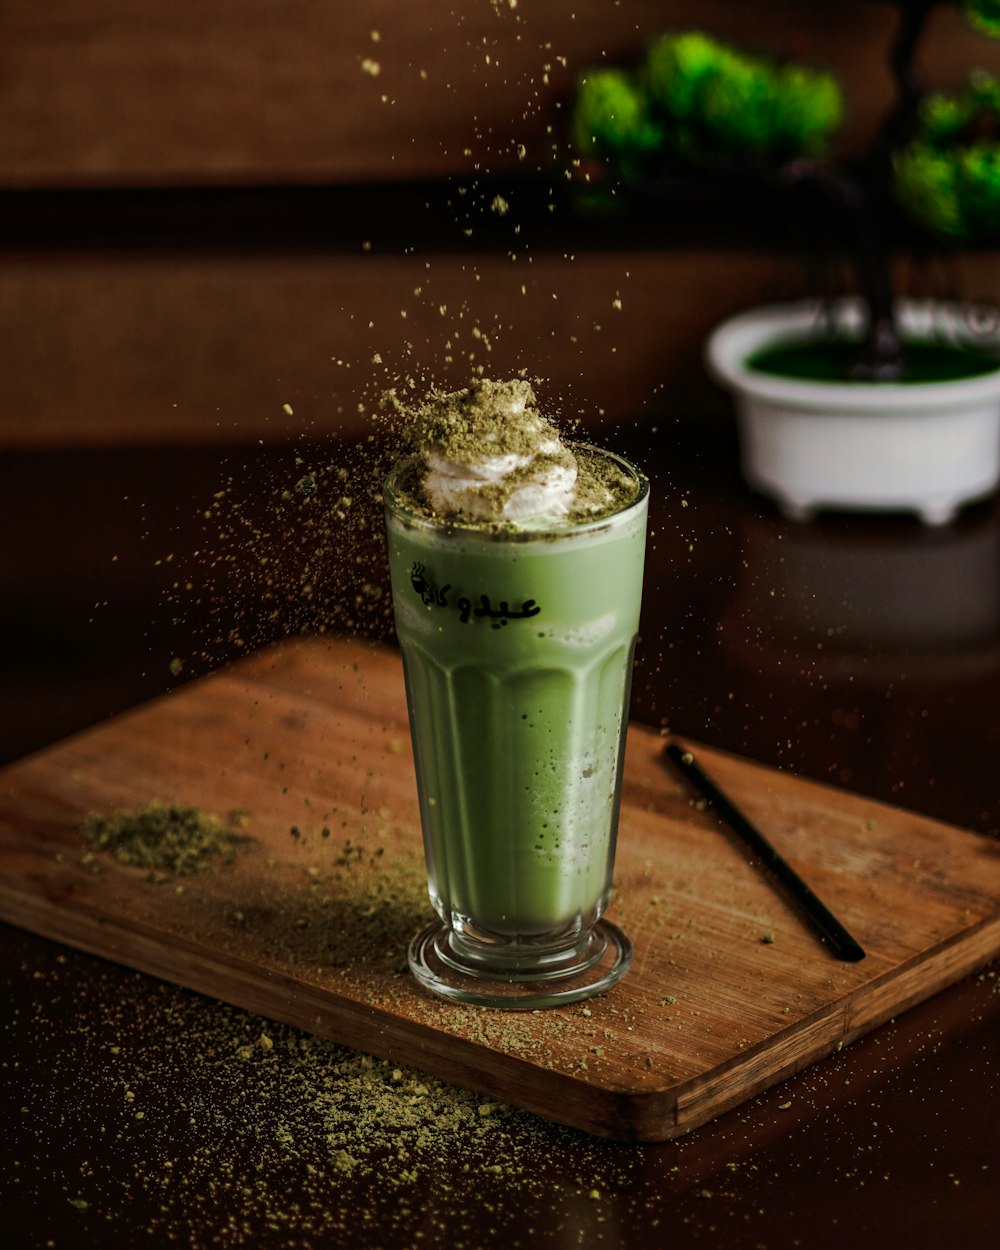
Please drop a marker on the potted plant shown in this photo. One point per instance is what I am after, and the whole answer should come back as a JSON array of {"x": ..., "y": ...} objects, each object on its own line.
[{"x": 863, "y": 401}]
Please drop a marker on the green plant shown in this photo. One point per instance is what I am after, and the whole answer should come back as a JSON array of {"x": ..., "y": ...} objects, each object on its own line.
[
  {"x": 947, "y": 178},
  {"x": 696, "y": 106},
  {"x": 983, "y": 14},
  {"x": 695, "y": 99}
]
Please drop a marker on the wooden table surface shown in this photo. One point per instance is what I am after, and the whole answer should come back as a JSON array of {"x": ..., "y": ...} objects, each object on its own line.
[{"x": 861, "y": 653}]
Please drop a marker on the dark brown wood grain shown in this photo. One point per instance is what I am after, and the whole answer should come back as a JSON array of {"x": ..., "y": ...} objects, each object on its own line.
[
  {"x": 165, "y": 94},
  {"x": 311, "y": 929},
  {"x": 153, "y": 349},
  {"x": 132, "y": 321},
  {"x": 111, "y": 93}
]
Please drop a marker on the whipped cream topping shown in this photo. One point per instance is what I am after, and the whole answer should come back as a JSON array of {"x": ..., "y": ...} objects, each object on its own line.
[{"x": 491, "y": 456}]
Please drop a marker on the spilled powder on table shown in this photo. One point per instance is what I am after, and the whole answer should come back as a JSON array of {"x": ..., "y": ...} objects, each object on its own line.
[
  {"x": 337, "y": 912},
  {"x": 221, "y": 1125}
]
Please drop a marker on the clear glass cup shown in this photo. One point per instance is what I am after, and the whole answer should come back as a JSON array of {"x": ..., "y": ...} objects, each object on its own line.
[{"x": 517, "y": 650}]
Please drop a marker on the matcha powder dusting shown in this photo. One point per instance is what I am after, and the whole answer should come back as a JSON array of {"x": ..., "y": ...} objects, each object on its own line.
[
  {"x": 160, "y": 1117},
  {"x": 161, "y": 837}
]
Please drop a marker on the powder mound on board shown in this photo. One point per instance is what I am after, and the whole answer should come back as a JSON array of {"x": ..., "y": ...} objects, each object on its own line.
[{"x": 163, "y": 837}]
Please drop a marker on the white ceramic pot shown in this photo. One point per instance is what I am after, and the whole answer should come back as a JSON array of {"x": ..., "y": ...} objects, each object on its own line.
[{"x": 863, "y": 446}]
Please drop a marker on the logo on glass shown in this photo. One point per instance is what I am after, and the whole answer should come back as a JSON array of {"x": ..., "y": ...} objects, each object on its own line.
[{"x": 497, "y": 616}]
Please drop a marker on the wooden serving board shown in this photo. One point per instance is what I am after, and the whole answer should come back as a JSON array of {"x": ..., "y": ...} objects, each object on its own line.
[{"x": 308, "y": 922}]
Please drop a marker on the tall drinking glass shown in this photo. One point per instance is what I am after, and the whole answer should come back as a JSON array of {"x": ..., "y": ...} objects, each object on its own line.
[{"x": 517, "y": 650}]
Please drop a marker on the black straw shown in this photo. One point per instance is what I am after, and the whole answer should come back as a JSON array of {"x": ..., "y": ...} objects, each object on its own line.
[{"x": 823, "y": 920}]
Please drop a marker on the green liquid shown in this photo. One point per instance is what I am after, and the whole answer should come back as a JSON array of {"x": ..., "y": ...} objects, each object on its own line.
[
  {"x": 518, "y": 706},
  {"x": 832, "y": 360}
]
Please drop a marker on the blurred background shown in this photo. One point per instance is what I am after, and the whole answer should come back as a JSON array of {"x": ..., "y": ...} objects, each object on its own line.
[{"x": 227, "y": 227}]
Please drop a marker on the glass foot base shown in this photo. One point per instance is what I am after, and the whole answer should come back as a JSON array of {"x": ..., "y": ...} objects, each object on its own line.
[{"x": 439, "y": 962}]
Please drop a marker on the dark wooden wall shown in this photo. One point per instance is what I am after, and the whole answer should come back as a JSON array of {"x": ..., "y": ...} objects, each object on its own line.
[
  {"x": 211, "y": 211},
  {"x": 184, "y": 248},
  {"x": 147, "y": 92}
]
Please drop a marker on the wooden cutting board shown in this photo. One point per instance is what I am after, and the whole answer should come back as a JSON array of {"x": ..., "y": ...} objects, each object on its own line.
[{"x": 308, "y": 921}]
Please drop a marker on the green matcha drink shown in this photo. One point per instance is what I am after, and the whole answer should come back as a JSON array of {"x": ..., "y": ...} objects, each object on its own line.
[{"x": 516, "y": 564}]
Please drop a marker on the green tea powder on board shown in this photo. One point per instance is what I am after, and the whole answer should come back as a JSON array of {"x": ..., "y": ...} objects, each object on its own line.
[{"x": 163, "y": 837}]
